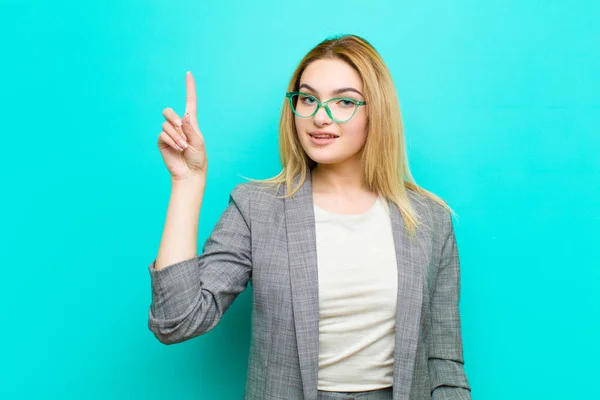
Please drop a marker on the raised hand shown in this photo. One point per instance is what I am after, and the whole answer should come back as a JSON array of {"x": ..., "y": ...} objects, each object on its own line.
[{"x": 181, "y": 143}]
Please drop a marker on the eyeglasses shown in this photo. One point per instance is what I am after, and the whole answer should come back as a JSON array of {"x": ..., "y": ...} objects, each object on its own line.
[{"x": 339, "y": 109}]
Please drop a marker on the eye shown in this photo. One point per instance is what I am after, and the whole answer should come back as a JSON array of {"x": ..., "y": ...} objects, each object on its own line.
[
  {"x": 307, "y": 99},
  {"x": 347, "y": 103}
]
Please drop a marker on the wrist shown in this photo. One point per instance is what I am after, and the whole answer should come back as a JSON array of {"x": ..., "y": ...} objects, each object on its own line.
[
  {"x": 191, "y": 179},
  {"x": 194, "y": 182}
]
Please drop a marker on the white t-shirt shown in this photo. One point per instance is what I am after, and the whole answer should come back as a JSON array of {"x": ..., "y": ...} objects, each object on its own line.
[{"x": 358, "y": 283}]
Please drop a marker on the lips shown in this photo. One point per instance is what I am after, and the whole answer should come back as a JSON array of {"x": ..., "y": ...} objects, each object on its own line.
[
  {"x": 322, "y": 139},
  {"x": 323, "y": 135}
]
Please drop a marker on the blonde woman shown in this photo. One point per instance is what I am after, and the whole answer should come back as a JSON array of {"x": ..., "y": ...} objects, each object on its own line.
[{"x": 354, "y": 267}]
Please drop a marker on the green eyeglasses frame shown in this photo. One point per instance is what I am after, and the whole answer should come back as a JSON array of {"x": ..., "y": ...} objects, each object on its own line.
[{"x": 357, "y": 103}]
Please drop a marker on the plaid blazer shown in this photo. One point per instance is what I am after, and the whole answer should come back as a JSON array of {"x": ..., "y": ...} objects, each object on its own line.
[{"x": 270, "y": 243}]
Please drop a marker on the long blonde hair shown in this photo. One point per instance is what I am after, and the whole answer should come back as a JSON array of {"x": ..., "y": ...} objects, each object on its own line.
[{"x": 384, "y": 157}]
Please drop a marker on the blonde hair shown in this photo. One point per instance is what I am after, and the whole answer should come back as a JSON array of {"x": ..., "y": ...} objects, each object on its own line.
[{"x": 384, "y": 157}]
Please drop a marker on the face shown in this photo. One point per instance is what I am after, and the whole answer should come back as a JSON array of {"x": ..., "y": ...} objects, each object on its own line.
[{"x": 327, "y": 79}]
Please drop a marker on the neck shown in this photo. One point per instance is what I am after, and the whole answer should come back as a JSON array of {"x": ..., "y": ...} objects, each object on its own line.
[{"x": 339, "y": 179}]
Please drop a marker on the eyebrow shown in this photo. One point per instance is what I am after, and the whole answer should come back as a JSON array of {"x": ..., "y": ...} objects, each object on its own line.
[{"x": 336, "y": 91}]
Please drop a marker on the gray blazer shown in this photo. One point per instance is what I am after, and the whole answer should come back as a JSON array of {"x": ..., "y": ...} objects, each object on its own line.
[{"x": 270, "y": 243}]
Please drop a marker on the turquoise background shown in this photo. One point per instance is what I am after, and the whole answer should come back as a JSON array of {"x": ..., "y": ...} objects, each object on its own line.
[{"x": 500, "y": 104}]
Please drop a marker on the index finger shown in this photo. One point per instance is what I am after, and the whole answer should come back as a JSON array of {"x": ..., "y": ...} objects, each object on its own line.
[{"x": 190, "y": 94}]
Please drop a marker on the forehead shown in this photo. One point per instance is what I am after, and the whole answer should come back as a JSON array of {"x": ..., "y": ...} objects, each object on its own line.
[{"x": 327, "y": 75}]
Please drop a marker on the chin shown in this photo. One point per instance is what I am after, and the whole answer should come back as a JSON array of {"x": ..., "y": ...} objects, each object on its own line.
[{"x": 325, "y": 158}]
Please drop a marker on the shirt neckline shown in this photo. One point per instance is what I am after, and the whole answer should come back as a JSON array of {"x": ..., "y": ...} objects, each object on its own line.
[{"x": 350, "y": 216}]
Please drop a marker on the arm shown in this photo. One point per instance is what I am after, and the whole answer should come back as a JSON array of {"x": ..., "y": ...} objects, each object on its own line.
[
  {"x": 180, "y": 235},
  {"x": 446, "y": 363},
  {"x": 190, "y": 297}
]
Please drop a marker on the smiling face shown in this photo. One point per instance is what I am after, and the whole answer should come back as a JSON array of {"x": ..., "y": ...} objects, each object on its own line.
[{"x": 326, "y": 79}]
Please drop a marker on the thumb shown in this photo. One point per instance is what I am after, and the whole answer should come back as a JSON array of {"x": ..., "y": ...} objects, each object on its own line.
[{"x": 192, "y": 131}]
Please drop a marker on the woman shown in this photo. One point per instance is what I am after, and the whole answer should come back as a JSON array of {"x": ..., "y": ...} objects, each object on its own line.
[{"x": 354, "y": 268}]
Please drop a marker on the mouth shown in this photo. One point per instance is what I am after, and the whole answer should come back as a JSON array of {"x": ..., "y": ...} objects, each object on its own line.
[
  {"x": 323, "y": 135},
  {"x": 322, "y": 138}
]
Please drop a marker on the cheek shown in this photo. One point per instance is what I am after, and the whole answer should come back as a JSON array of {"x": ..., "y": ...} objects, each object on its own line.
[
  {"x": 301, "y": 127},
  {"x": 363, "y": 122},
  {"x": 300, "y": 123},
  {"x": 357, "y": 129}
]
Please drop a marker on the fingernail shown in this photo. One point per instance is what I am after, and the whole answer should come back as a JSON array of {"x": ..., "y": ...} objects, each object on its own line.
[
  {"x": 183, "y": 144},
  {"x": 178, "y": 122}
]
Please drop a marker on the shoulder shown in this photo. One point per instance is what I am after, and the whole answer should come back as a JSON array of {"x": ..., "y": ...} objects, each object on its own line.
[
  {"x": 258, "y": 204},
  {"x": 254, "y": 190},
  {"x": 255, "y": 195},
  {"x": 431, "y": 213}
]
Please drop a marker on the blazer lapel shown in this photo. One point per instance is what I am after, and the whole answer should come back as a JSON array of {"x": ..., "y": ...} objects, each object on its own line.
[
  {"x": 302, "y": 254},
  {"x": 409, "y": 303}
]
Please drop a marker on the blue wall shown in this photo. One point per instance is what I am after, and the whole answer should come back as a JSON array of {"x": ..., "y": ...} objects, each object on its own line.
[{"x": 500, "y": 104}]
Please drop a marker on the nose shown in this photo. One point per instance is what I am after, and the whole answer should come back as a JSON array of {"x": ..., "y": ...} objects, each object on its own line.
[{"x": 321, "y": 117}]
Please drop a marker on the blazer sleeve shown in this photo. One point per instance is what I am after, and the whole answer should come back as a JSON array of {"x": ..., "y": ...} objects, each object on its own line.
[
  {"x": 446, "y": 363},
  {"x": 190, "y": 297}
]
